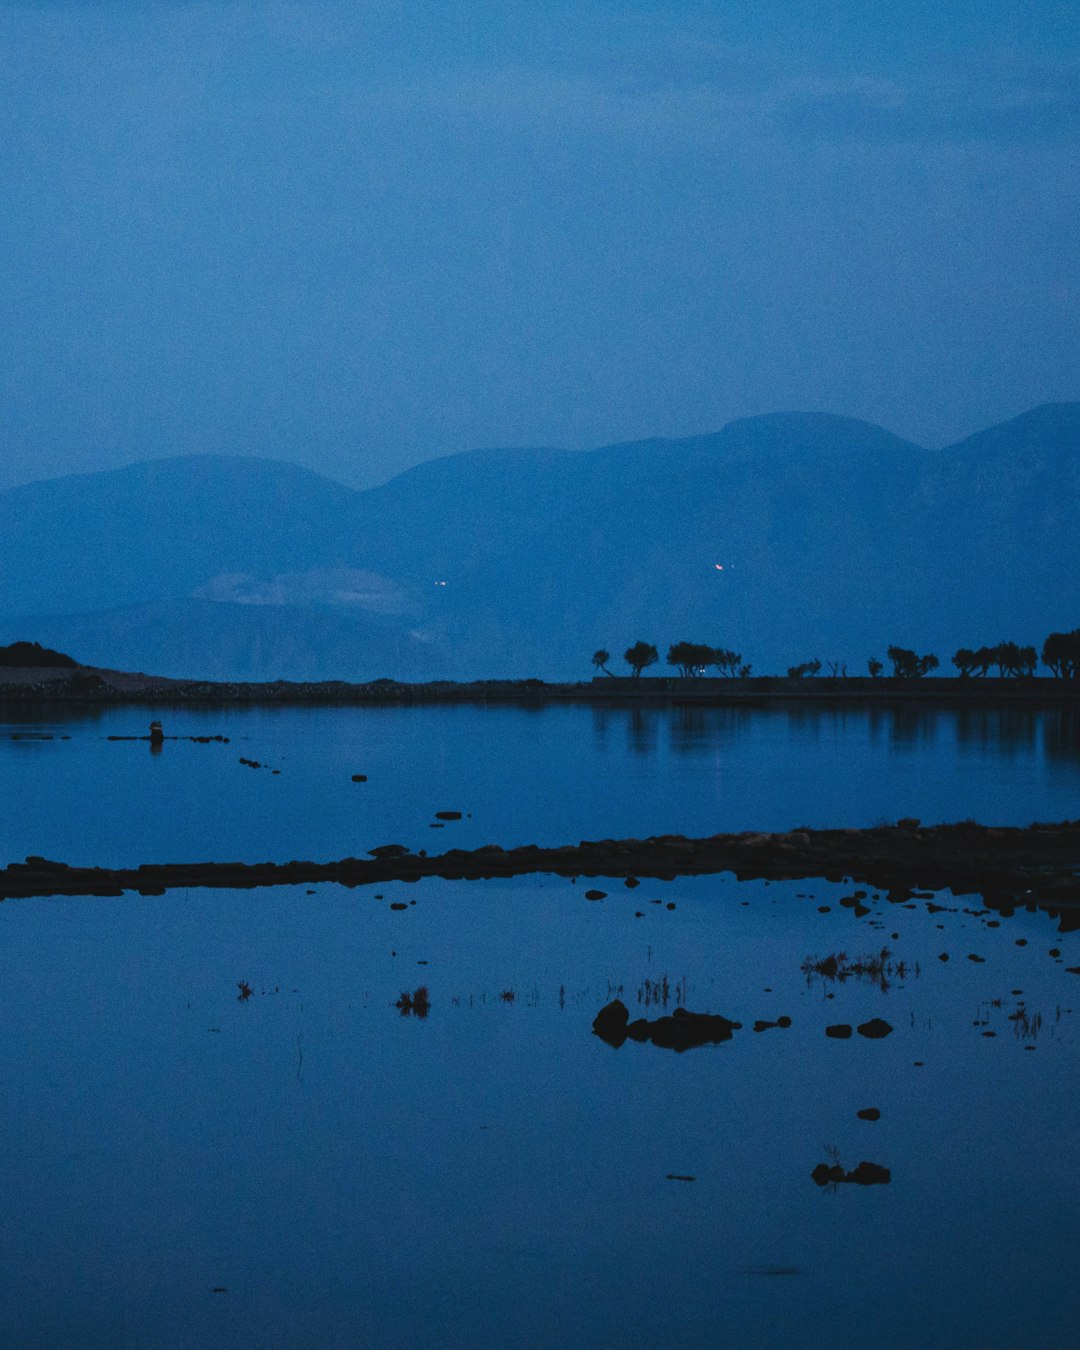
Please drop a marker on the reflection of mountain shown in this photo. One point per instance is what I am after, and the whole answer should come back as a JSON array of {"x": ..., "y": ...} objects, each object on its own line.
[{"x": 833, "y": 538}]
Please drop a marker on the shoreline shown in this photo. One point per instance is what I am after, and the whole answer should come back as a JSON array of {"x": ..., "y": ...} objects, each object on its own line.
[
  {"x": 1010, "y": 867},
  {"x": 98, "y": 687}
]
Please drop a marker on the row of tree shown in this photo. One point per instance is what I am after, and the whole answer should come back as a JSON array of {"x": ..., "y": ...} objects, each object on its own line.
[
  {"x": 1060, "y": 653},
  {"x": 691, "y": 659}
]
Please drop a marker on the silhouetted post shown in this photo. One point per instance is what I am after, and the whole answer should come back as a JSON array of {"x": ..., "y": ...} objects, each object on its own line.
[{"x": 157, "y": 736}]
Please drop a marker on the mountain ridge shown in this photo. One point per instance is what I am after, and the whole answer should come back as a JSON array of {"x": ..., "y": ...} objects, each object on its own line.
[{"x": 787, "y": 535}]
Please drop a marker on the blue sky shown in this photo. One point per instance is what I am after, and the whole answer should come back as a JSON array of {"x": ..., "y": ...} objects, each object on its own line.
[{"x": 357, "y": 235}]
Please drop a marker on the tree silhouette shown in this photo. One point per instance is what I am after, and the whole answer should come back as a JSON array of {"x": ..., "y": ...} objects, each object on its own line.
[
  {"x": 1061, "y": 652},
  {"x": 727, "y": 662},
  {"x": 690, "y": 657},
  {"x": 600, "y": 659},
  {"x": 875, "y": 667},
  {"x": 807, "y": 668},
  {"x": 640, "y": 656},
  {"x": 908, "y": 666},
  {"x": 1010, "y": 659}
]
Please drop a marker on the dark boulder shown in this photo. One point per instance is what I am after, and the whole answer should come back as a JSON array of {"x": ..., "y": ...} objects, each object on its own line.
[
  {"x": 610, "y": 1023},
  {"x": 866, "y": 1174},
  {"x": 680, "y": 1031}
]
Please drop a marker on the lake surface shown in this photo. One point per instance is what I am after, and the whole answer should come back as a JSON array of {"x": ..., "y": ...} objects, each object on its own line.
[
  {"x": 549, "y": 776},
  {"x": 186, "y": 1163}
]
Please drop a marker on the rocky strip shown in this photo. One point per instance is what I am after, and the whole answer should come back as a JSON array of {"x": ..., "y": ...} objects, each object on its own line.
[{"x": 1008, "y": 867}]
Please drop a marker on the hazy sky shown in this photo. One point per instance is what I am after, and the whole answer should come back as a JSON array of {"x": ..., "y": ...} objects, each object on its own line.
[{"x": 357, "y": 235}]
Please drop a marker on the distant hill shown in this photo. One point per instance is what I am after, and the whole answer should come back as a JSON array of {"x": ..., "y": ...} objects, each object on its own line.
[
  {"x": 834, "y": 538},
  {"x": 32, "y": 655}
]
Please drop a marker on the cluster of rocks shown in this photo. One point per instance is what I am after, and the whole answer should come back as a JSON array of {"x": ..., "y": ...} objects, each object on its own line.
[{"x": 681, "y": 1030}]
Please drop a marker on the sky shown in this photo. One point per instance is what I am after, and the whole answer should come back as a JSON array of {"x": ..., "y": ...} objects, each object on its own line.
[{"x": 359, "y": 235}]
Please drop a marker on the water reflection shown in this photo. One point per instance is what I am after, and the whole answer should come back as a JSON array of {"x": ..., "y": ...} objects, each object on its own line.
[
  {"x": 93, "y": 795},
  {"x": 1010, "y": 731},
  {"x": 913, "y": 726},
  {"x": 879, "y": 969},
  {"x": 1061, "y": 736},
  {"x": 416, "y": 1004}
]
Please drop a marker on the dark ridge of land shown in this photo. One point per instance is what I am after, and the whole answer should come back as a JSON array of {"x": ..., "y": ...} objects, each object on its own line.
[
  {"x": 93, "y": 686},
  {"x": 21, "y": 655},
  {"x": 1009, "y": 867}
]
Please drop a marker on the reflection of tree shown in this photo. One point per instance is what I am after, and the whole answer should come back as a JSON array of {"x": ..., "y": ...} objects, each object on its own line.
[
  {"x": 641, "y": 731},
  {"x": 702, "y": 731},
  {"x": 1061, "y": 736},
  {"x": 913, "y": 726},
  {"x": 1009, "y": 731},
  {"x": 691, "y": 729}
]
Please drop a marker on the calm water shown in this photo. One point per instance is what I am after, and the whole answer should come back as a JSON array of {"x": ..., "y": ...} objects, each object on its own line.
[
  {"x": 548, "y": 776},
  {"x": 309, "y": 1166}
]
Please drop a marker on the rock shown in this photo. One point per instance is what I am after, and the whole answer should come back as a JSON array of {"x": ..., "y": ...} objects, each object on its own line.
[
  {"x": 839, "y": 1032},
  {"x": 388, "y": 851},
  {"x": 874, "y": 1030},
  {"x": 866, "y": 1174},
  {"x": 683, "y": 1030},
  {"x": 596, "y": 895},
  {"x": 359, "y": 777},
  {"x": 768, "y": 1026},
  {"x": 447, "y": 815},
  {"x": 610, "y": 1023},
  {"x": 680, "y": 1031},
  {"x": 869, "y": 1113},
  {"x": 631, "y": 882},
  {"x": 870, "y": 1174}
]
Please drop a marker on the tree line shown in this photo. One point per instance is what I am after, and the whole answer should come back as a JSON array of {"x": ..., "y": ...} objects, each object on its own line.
[
  {"x": 690, "y": 658},
  {"x": 1060, "y": 654}
]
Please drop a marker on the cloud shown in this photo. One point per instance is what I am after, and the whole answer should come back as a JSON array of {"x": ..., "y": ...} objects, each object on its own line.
[{"x": 890, "y": 113}]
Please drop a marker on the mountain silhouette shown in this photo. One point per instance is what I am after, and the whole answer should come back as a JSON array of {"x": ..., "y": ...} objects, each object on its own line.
[{"x": 785, "y": 536}]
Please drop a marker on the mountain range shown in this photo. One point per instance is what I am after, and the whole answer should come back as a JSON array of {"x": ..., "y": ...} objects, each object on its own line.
[{"x": 785, "y": 537}]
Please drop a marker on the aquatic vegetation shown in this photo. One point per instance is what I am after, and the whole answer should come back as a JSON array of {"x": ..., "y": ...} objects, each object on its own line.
[
  {"x": 416, "y": 1004},
  {"x": 879, "y": 969}
]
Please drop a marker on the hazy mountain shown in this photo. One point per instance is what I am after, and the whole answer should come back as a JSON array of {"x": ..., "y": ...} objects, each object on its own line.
[
  {"x": 201, "y": 639},
  {"x": 834, "y": 538},
  {"x": 158, "y": 530}
]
